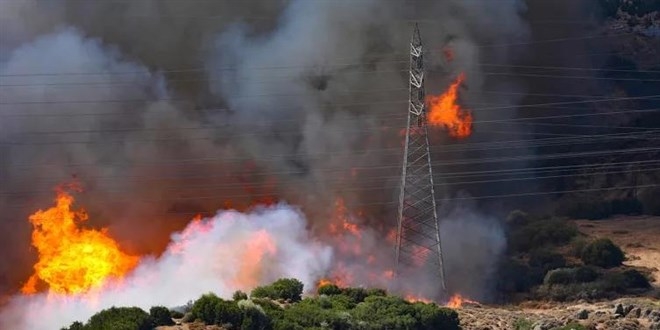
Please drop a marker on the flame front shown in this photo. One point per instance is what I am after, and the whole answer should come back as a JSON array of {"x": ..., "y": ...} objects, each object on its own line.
[
  {"x": 445, "y": 111},
  {"x": 457, "y": 301},
  {"x": 73, "y": 260}
]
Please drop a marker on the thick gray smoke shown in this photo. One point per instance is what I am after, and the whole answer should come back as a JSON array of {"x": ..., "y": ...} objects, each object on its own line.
[{"x": 163, "y": 109}]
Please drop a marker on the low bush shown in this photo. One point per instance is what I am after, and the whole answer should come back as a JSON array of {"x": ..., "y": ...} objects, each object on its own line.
[
  {"x": 228, "y": 314},
  {"x": 582, "y": 274},
  {"x": 204, "y": 308},
  {"x": 117, "y": 318},
  {"x": 176, "y": 314},
  {"x": 523, "y": 324},
  {"x": 546, "y": 260},
  {"x": 542, "y": 233},
  {"x": 559, "y": 276},
  {"x": 161, "y": 315},
  {"x": 633, "y": 279},
  {"x": 239, "y": 295},
  {"x": 285, "y": 289},
  {"x": 518, "y": 218},
  {"x": 329, "y": 289},
  {"x": 603, "y": 253}
]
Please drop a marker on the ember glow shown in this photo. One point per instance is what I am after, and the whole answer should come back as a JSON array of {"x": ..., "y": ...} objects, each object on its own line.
[
  {"x": 73, "y": 259},
  {"x": 445, "y": 111}
]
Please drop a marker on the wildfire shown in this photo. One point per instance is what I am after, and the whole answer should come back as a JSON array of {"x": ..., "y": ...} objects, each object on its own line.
[
  {"x": 412, "y": 298},
  {"x": 444, "y": 111},
  {"x": 71, "y": 259},
  {"x": 457, "y": 301}
]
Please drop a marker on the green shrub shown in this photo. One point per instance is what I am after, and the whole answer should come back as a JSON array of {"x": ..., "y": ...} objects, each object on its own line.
[
  {"x": 585, "y": 274},
  {"x": 176, "y": 314},
  {"x": 559, "y": 276},
  {"x": 577, "y": 245},
  {"x": 266, "y": 291},
  {"x": 329, "y": 290},
  {"x": 385, "y": 313},
  {"x": 518, "y": 218},
  {"x": 431, "y": 317},
  {"x": 582, "y": 274},
  {"x": 635, "y": 280},
  {"x": 357, "y": 295},
  {"x": 75, "y": 326},
  {"x": 161, "y": 315},
  {"x": 255, "y": 319},
  {"x": 603, "y": 253},
  {"x": 541, "y": 233},
  {"x": 288, "y": 289},
  {"x": 120, "y": 318},
  {"x": 227, "y": 312},
  {"x": 376, "y": 292},
  {"x": 546, "y": 260},
  {"x": 378, "y": 312},
  {"x": 239, "y": 295},
  {"x": 205, "y": 308},
  {"x": 523, "y": 324},
  {"x": 285, "y": 288}
]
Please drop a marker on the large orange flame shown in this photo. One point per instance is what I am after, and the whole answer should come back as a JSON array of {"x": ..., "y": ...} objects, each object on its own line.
[
  {"x": 444, "y": 111},
  {"x": 71, "y": 259}
]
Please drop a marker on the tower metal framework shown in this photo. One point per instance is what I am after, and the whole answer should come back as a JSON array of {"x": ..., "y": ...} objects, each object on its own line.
[{"x": 418, "y": 232}]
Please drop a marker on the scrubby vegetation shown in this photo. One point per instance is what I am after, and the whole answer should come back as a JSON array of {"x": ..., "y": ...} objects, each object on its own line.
[
  {"x": 279, "y": 306},
  {"x": 117, "y": 318},
  {"x": 549, "y": 259},
  {"x": 602, "y": 253}
]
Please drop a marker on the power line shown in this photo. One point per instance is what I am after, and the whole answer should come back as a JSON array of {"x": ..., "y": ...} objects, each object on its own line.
[
  {"x": 378, "y": 180},
  {"x": 553, "y": 40},
  {"x": 498, "y": 196},
  {"x": 465, "y": 161}
]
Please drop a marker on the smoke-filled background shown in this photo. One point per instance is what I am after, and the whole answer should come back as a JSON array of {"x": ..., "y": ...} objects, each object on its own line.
[{"x": 165, "y": 109}]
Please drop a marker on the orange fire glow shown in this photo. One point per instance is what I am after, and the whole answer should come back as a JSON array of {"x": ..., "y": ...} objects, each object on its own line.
[
  {"x": 260, "y": 246},
  {"x": 444, "y": 111},
  {"x": 448, "y": 53},
  {"x": 412, "y": 298},
  {"x": 72, "y": 259},
  {"x": 457, "y": 301}
]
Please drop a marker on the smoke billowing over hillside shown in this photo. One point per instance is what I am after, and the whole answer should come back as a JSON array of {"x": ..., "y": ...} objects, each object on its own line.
[{"x": 166, "y": 109}]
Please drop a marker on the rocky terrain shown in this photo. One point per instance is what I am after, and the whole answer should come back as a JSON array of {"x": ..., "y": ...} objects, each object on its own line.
[{"x": 622, "y": 314}]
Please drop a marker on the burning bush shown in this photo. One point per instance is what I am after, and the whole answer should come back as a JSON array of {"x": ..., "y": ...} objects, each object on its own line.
[{"x": 603, "y": 253}]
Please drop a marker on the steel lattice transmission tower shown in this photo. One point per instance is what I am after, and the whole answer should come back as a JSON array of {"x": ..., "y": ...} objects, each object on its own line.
[{"x": 418, "y": 232}]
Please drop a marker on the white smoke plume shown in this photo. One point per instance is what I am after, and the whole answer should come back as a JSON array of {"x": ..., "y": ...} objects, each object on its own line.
[{"x": 222, "y": 254}]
